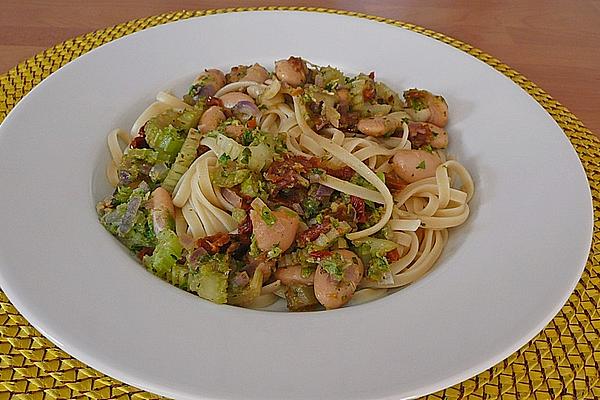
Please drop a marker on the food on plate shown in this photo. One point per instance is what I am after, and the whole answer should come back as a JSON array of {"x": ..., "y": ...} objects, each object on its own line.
[{"x": 303, "y": 183}]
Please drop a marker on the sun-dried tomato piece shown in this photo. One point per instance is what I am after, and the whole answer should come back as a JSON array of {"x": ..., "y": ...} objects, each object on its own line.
[
  {"x": 345, "y": 173},
  {"x": 145, "y": 251},
  {"x": 319, "y": 255},
  {"x": 392, "y": 255},
  {"x": 245, "y": 227},
  {"x": 313, "y": 233},
  {"x": 213, "y": 243},
  {"x": 359, "y": 206},
  {"x": 139, "y": 142}
]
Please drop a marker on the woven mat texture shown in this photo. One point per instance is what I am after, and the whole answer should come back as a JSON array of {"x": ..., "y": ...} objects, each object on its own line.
[{"x": 563, "y": 361}]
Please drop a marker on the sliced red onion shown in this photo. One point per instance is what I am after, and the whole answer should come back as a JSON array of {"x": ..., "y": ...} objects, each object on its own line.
[
  {"x": 244, "y": 110},
  {"x": 207, "y": 90},
  {"x": 314, "y": 178},
  {"x": 296, "y": 207},
  {"x": 195, "y": 256},
  {"x": 241, "y": 279},
  {"x": 127, "y": 222},
  {"x": 187, "y": 241},
  {"x": 323, "y": 191},
  {"x": 125, "y": 177},
  {"x": 319, "y": 81},
  {"x": 232, "y": 197}
]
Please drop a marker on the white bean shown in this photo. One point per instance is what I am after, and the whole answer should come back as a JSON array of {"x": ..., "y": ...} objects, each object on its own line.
[
  {"x": 414, "y": 165},
  {"x": 291, "y": 71},
  {"x": 332, "y": 293}
]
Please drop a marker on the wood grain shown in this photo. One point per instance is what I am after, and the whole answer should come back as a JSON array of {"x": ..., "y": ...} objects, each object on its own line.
[{"x": 556, "y": 43}]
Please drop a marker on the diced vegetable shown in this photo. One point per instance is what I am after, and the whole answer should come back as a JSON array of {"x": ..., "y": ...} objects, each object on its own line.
[
  {"x": 376, "y": 247},
  {"x": 240, "y": 296},
  {"x": 388, "y": 96},
  {"x": 186, "y": 156},
  {"x": 378, "y": 268},
  {"x": 372, "y": 252},
  {"x": 122, "y": 194},
  {"x": 300, "y": 298},
  {"x": 136, "y": 165},
  {"x": 311, "y": 207},
  {"x": 331, "y": 77},
  {"x": 209, "y": 278},
  {"x": 252, "y": 186},
  {"x": 129, "y": 222},
  {"x": 178, "y": 276},
  {"x": 256, "y": 156},
  {"x": 168, "y": 250},
  {"x": 166, "y": 132},
  {"x": 167, "y": 141},
  {"x": 229, "y": 176},
  {"x": 335, "y": 265}
]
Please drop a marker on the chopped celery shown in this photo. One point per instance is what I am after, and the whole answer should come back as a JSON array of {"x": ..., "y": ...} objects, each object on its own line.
[
  {"x": 376, "y": 247},
  {"x": 140, "y": 235},
  {"x": 388, "y": 96},
  {"x": 167, "y": 141},
  {"x": 331, "y": 77},
  {"x": 178, "y": 276},
  {"x": 300, "y": 298},
  {"x": 129, "y": 221},
  {"x": 186, "y": 156},
  {"x": 168, "y": 250},
  {"x": 209, "y": 278},
  {"x": 166, "y": 132},
  {"x": 136, "y": 165},
  {"x": 122, "y": 194},
  {"x": 246, "y": 294},
  {"x": 188, "y": 119},
  {"x": 228, "y": 177},
  {"x": 372, "y": 252},
  {"x": 239, "y": 215},
  {"x": 335, "y": 265},
  {"x": 311, "y": 207},
  {"x": 378, "y": 268},
  {"x": 274, "y": 252}
]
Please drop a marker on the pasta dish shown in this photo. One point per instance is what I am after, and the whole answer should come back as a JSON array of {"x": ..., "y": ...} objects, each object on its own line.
[{"x": 303, "y": 183}]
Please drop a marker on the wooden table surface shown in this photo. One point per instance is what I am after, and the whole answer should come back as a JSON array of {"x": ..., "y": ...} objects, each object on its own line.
[{"x": 556, "y": 44}]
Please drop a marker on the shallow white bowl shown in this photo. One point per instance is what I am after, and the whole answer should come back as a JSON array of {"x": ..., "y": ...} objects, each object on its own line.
[{"x": 502, "y": 277}]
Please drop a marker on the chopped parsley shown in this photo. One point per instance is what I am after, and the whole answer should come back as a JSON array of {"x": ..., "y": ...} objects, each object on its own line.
[
  {"x": 254, "y": 250},
  {"x": 334, "y": 265},
  {"x": 224, "y": 158},
  {"x": 247, "y": 138},
  {"x": 421, "y": 165},
  {"x": 244, "y": 157},
  {"x": 311, "y": 207},
  {"x": 378, "y": 267},
  {"x": 306, "y": 271},
  {"x": 268, "y": 216},
  {"x": 239, "y": 215},
  {"x": 331, "y": 85},
  {"x": 274, "y": 252}
]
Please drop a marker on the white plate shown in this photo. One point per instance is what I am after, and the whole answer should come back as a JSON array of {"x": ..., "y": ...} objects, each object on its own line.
[{"x": 501, "y": 279}]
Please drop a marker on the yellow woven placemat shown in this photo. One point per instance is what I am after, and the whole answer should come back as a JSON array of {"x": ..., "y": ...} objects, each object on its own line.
[{"x": 563, "y": 361}]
